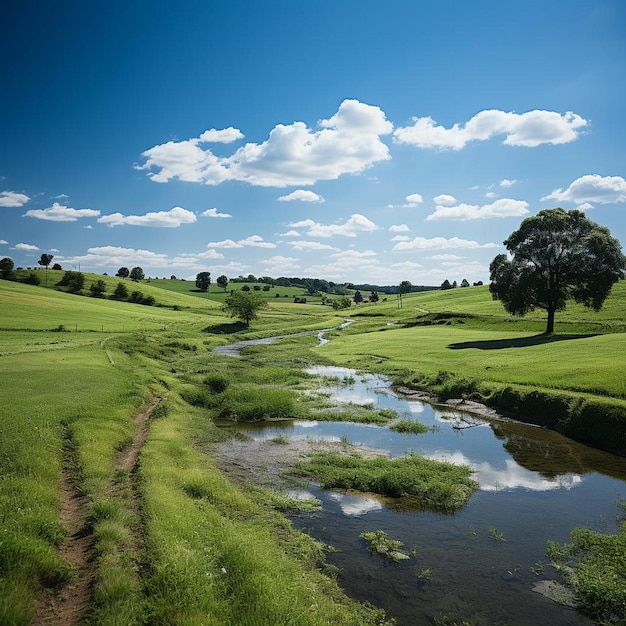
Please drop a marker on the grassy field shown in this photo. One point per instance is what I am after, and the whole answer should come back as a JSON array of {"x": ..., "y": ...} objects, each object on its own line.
[{"x": 177, "y": 543}]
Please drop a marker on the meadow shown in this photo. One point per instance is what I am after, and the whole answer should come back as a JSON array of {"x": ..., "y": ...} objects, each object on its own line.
[{"x": 176, "y": 542}]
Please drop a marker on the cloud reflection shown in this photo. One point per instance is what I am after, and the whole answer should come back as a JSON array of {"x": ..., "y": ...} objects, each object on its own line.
[
  {"x": 352, "y": 504},
  {"x": 511, "y": 476}
]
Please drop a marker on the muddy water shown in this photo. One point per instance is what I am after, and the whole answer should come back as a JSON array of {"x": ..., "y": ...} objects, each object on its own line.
[{"x": 483, "y": 563}]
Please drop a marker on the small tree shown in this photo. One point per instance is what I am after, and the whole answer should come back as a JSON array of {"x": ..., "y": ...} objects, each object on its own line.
[
  {"x": 465, "y": 283},
  {"x": 374, "y": 296},
  {"x": 358, "y": 297},
  {"x": 137, "y": 274},
  {"x": 57, "y": 266},
  {"x": 98, "y": 288},
  {"x": 405, "y": 286},
  {"x": 445, "y": 285},
  {"x": 121, "y": 292},
  {"x": 44, "y": 261},
  {"x": 123, "y": 272},
  {"x": 74, "y": 281},
  {"x": 556, "y": 255},
  {"x": 222, "y": 281},
  {"x": 245, "y": 288},
  {"x": 6, "y": 268},
  {"x": 244, "y": 306},
  {"x": 203, "y": 281}
]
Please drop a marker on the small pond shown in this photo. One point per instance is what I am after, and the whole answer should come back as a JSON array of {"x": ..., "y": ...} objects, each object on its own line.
[{"x": 483, "y": 563}]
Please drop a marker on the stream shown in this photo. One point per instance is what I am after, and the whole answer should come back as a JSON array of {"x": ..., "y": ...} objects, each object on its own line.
[{"x": 485, "y": 564}]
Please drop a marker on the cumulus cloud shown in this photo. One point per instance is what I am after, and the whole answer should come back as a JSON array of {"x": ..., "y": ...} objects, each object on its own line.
[
  {"x": 529, "y": 129},
  {"x": 446, "y": 257},
  {"x": 2, "y": 242},
  {"x": 445, "y": 200},
  {"x": 290, "y": 233},
  {"x": 12, "y": 199},
  {"x": 214, "y": 213},
  {"x": 439, "y": 243},
  {"x": 303, "y": 195},
  {"x": 356, "y": 223},
  {"x": 346, "y": 143},
  {"x": 310, "y": 245},
  {"x": 225, "y": 135},
  {"x": 401, "y": 238},
  {"x": 399, "y": 228},
  {"x": 26, "y": 247},
  {"x": 505, "y": 182},
  {"x": 505, "y": 207},
  {"x": 159, "y": 219},
  {"x": 592, "y": 188},
  {"x": 280, "y": 265},
  {"x": 255, "y": 241},
  {"x": 60, "y": 213},
  {"x": 413, "y": 199}
]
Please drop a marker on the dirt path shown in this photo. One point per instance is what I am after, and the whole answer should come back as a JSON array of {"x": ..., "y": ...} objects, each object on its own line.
[{"x": 69, "y": 606}]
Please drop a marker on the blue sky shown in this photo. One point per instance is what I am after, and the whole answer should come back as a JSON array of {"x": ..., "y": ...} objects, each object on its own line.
[{"x": 352, "y": 141}]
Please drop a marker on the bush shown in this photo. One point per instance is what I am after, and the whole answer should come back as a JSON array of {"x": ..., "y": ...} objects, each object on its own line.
[
  {"x": 216, "y": 383},
  {"x": 73, "y": 281},
  {"x": 31, "y": 279}
]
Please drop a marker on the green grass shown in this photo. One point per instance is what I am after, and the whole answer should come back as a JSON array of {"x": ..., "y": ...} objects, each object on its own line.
[
  {"x": 432, "y": 485},
  {"x": 72, "y": 391},
  {"x": 594, "y": 565}
]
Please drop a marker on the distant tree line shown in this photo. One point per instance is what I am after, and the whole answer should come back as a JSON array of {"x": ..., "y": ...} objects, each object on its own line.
[{"x": 446, "y": 284}]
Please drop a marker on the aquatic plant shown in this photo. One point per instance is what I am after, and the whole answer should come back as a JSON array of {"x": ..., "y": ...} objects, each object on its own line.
[{"x": 378, "y": 542}]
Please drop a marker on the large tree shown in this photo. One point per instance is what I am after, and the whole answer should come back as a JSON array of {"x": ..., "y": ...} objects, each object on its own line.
[
  {"x": 244, "y": 305},
  {"x": 6, "y": 268},
  {"x": 137, "y": 274},
  {"x": 555, "y": 256},
  {"x": 222, "y": 281},
  {"x": 203, "y": 281}
]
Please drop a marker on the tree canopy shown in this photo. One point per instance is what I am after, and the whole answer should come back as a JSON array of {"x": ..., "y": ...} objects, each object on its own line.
[
  {"x": 123, "y": 272},
  {"x": 203, "y": 281},
  {"x": 137, "y": 274},
  {"x": 556, "y": 255},
  {"x": 222, "y": 281},
  {"x": 244, "y": 305}
]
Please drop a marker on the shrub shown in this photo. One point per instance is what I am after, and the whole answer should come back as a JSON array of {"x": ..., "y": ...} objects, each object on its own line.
[
  {"x": 74, "y": 281},
  {"x": 31, "y": 279},
  {"x": 216, "y": 383}
]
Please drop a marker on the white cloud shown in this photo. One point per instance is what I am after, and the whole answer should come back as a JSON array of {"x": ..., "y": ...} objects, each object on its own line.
[
  {"x": 401, "y": 238},
  {"x": 226, "y": 243},
  {"x": 290, "y": 233},
  {"x": 12, "y": 199},
  {"x": 445, "y": 200},
  {"x": 413, "y": 199},
  {"x": 26, "y": 247},
  {"x": 303, "y": 195},
  {"x": 356, "y": 223},
  {"x": 255, "y": 241},
  {"x": 585, "y": 206},
  {"x": 2, "y": 242},
  {"x": 88, "y": 227},
  {"x": 440, "y": 243},
  {"x": 226, "y": 135},
  {"x": 592, "y": 188},
  {"x": 505, "y": 182},
  {"x": 159, "y": 219},
  {"x": 310, "y": 245},
  {"x": 529, "y": 129},
  {"x": 491, "y": 195},
  {"x": 280, "y": 265},
  {"x": 505, "y": 207},
  {"x": 59, "y": 213},
  {"x": 446, "y": 257},
  {"x": 347, "y": 143},
  {"x": 399, "y": 228},
  {"x": 353, "y": 257},
  {"x": 214, "y": 213},
  {"x": 210, "y": 254}
]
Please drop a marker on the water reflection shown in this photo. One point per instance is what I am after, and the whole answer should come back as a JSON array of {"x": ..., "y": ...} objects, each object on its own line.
[{"x": 535, "y": 486}]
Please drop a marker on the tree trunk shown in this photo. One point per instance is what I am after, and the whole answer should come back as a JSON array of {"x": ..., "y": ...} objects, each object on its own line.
[{"x": 550, "y": 327}]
